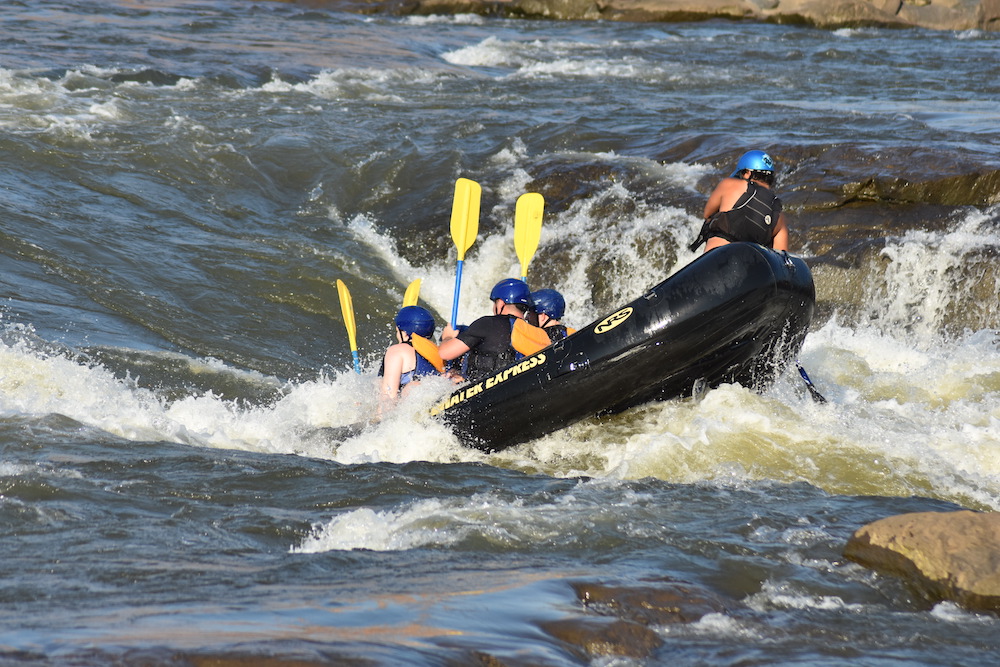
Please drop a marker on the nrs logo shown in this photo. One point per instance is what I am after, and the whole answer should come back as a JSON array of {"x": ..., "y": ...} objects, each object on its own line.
[{"x": 611, "y": 321}]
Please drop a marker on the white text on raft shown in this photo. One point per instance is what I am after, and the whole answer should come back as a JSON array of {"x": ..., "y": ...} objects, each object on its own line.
[{"x": 488, "y": 383}]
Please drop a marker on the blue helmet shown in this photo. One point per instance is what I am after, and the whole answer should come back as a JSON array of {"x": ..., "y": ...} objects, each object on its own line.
[
  {"x": 513, "y": 291},
  {"x": 549, "y": 302},
  {"x": 415, "y": 320},
  {"x": 754, "y": 161}
]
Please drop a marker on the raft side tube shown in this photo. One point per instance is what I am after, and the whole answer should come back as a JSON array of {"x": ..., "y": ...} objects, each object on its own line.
[{"x": 736, "y": 314}]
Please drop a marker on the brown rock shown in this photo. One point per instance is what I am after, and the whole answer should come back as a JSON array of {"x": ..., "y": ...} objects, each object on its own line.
[
  {"x": 942, "y": 14},
  {"x": 662, "y": 604},
  {"x": 675, "y": 10},
  {"x": 836, "y": 13},
  {"x": 973, "y": 189},
  {"x": 934, "y": 14},
  {"x": 604, "y": 637},
  {"x": 890, "y": 6},
  {"x": 620, "y": 620},
  {"x": 989, "y": 16},
  {"x": 946, "y": 555}
]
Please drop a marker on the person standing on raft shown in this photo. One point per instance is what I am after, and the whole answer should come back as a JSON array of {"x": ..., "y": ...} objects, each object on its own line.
[{"x": 743, "y": 208}]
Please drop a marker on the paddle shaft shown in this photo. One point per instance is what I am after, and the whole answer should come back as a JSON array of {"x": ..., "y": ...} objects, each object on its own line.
[
  {"x": 813, "y": 391},
  {"x": 458, "y": 291}
]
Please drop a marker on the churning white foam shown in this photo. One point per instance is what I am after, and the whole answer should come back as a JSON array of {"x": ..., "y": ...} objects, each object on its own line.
[
  {"x": 928, "y": 274},
  {"x": 514, "y": 523},
  {"x": 785, "y": 595}
]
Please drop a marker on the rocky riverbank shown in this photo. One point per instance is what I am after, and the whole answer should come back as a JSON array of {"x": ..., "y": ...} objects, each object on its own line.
[{"x": 830, "y": 14}]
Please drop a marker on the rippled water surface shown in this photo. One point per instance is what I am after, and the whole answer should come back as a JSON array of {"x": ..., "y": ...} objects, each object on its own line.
[{"x": 183, "y": 183}]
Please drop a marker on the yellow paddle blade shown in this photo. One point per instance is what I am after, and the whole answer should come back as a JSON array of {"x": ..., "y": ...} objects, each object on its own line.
[
  {"x": 412, "y": 294},
  {"x": 428, "y": 350},
  {"x": 465, "y": 215},
  {"x": 528, "y": 339},
  {"x": 347, "y": 309},
  {"x": 528, "y": 227}
]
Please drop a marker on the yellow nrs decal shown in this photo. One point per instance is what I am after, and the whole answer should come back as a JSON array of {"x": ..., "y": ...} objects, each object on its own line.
[{"x": 611, "y": 321}]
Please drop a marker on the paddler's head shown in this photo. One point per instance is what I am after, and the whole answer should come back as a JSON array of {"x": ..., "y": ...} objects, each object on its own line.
[
  {"x": 755, "y": 166},
  {"x": 510, "y": 292},
  {"x": 414, "y": 320},
  {"x": 548, "y": 302}
]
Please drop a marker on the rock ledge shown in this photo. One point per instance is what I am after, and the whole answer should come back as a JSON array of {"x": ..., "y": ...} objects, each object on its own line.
[
  {"x": 945, "y": 555},
  {"x": 830, "y": 14}
]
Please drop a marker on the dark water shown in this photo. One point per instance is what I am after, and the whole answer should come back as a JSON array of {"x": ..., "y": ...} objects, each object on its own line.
[{"x": 184, "y": 182}]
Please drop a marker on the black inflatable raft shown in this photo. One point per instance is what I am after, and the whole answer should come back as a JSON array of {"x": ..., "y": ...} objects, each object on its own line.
[{"x": 736, "y": 314}]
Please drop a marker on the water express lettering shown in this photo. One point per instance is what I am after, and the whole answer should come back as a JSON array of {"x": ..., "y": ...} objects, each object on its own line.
[
  {"x": 457, "y": 398},
  {"x": 611, "y": 321},
  {"x": 489, "y": 382},
  {"x": 516, "y": 369}
]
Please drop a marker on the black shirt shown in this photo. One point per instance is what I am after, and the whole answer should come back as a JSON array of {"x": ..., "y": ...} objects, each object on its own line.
[{"x": 488, "y": 339}]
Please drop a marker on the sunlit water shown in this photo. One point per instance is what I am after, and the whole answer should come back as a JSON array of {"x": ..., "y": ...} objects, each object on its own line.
[{"x": 184, "y": 182}]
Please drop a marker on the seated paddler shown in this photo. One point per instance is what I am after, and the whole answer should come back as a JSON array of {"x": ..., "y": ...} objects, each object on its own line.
[
  {"x": 486, "y": 343},
  {"x": 550, "y": 306},
  {"x": 413, "y": 356},
  {"x": 743, "y": 207}
]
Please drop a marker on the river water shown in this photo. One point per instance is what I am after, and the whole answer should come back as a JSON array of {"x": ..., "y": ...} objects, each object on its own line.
[{"x": 182, "y": 185}]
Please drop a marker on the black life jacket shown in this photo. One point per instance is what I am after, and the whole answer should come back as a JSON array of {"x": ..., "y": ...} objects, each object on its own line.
[
  {"x": 752, "y": 219},
  {"x": 494, "y": 353},
  {"x": 556, "y": 332}
]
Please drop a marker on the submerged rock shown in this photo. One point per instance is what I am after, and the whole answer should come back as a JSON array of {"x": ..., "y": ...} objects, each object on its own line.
[
  {"x": 945, "y": 555},
  {"x": 594, "y": 637},
  {"x": 665, "y": 603},
  {"x": 972, "y": 189},
  {"x": 621, "y": 620},
  {"x": 609, "y": 623}
]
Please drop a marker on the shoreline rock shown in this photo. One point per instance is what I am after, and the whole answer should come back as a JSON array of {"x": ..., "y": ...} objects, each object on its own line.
[
  {"x": 957, "y": 15},
  {"x": 945, "y": 555}
]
